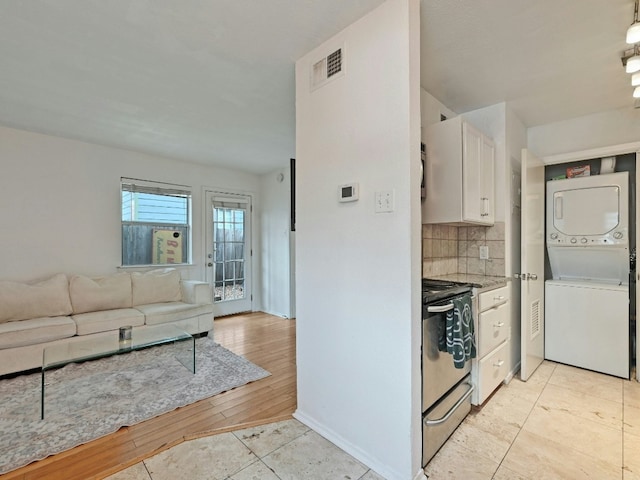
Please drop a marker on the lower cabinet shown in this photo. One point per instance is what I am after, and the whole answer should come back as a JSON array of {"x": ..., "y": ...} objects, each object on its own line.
[{"x": 491, "y": 365}]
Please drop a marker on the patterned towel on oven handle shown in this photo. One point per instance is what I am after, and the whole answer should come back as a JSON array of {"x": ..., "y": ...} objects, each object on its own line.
[{"x": 457, "y": 335}]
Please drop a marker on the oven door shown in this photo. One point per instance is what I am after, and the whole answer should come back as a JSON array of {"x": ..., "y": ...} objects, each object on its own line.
[{"x": 438, "y": 373}]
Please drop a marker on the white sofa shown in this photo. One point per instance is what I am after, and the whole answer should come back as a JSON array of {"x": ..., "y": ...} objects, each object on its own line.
[{"x": 65, "y": 308}]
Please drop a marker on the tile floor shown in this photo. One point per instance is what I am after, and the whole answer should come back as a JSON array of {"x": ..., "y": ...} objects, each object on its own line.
[
  {"x": 564, "y": 423},
  {"x": 285, "y": 450}
]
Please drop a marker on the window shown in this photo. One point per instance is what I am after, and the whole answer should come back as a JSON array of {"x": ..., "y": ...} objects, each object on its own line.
[{"x": 156, "y": 223}]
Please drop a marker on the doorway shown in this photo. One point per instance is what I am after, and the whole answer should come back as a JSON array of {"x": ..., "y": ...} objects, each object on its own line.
[
  {"x": 594, "y": 166},
  {"x": 229, "y": 253}
]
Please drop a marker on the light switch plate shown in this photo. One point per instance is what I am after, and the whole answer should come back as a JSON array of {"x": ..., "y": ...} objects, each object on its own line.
[
  {"x": 384, "y": 201},
  {"x": 484, "y": 252}
]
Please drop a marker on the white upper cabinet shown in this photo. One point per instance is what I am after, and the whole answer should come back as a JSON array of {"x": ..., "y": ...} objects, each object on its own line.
[{"x": 459, "y": 174}]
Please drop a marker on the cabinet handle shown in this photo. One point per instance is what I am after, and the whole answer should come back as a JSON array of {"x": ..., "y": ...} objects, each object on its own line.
[
  {"x": 499, "y": 364},
  {"x": 485, "y": 206},
  {"x": 499, "y": 297},
  {"x": 499, "y": 324},
  {"x": 499, "y": 304}
]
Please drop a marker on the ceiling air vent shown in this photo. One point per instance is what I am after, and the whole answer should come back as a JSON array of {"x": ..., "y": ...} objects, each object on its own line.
[{"x": 327, "y": 69}]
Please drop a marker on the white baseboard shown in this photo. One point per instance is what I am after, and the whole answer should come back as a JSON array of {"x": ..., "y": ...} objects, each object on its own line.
[
  {"x": 420, "y": 475},
  {"x": 512, "y": 374},
  {"x": 276, "y": 314},
  {"x": 350, "y": 448}
]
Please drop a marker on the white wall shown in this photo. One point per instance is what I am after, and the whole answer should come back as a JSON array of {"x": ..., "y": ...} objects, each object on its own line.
[
  {"x": 431, "y": 108},
  {"x": 60, "y": 203},
  {"x": 358, "y": 272},
  {"x": 603, "y": 129},
  {"x": 275, "y": 240}
]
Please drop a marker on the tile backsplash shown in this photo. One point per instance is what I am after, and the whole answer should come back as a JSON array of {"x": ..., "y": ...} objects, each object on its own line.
[{"x": 447, "y": 249}]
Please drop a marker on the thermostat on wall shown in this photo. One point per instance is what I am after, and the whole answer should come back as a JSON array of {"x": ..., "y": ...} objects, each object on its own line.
[{"x": 348, "y": 192}]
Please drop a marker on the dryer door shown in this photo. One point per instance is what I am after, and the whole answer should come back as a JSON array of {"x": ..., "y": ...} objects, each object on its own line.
[{"x": 585, "y": 212}]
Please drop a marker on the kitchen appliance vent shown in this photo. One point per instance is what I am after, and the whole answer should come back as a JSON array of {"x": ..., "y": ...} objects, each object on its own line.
[
  {"x": 535, "y": 319},
  {"x": 327, "y": 68}
]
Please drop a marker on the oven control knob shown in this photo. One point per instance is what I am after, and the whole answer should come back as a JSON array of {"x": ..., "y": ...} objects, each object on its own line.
[
  {"x": 574, "y": 240},
  {"x": 583, "y": 240},
  {"x": 554, "y": 236},
  {"x": 617, "y": 235}
]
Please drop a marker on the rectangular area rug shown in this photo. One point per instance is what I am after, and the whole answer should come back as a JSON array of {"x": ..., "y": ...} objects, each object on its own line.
[{"x": 86, "y": 401}]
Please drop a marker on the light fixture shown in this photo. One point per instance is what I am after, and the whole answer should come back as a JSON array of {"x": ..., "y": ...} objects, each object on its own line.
[
  {"x": 633, "y": 62},
  {"x": 631, "y": 57},
  {"x": 633, "y": 33}
]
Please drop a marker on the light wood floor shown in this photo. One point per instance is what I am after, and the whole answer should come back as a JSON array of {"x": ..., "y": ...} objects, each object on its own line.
[{"x": 265, "y": 340}]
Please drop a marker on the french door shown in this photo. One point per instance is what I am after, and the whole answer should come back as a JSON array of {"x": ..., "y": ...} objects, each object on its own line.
[{"x": 229, "y": 252}]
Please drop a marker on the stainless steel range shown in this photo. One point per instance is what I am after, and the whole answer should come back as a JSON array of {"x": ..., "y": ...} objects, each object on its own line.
[{"x": 446, "y": 390}]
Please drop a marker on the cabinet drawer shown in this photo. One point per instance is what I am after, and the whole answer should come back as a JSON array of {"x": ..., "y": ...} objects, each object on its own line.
[
  {"x": 492, "y": 370},
  {"x": 493, "y": 298},
  {"x": 493, "y": 328}
]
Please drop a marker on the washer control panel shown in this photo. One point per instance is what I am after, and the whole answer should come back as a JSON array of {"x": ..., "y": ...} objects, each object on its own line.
[{"x": 615, "y": 238}]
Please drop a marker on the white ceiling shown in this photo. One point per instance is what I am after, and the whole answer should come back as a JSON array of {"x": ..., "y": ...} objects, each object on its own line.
[
  {"x": 551, "y": 59},
  {"x": 212, "y": 81}
]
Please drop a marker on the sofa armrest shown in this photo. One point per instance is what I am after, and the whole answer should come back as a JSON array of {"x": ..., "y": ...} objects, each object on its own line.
[{"x": 197, "y": 292}]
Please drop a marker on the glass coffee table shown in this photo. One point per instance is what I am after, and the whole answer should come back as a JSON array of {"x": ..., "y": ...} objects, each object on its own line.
[{"x": 119, "y": 342}]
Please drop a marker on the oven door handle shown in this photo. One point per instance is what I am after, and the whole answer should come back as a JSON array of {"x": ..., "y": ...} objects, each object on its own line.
[
  {"x": 440, "y": 308},
  {"x": 431, "y": 423}
]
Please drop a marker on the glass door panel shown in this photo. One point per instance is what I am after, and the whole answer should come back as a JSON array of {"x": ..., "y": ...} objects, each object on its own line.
[{"x": 229, "y": 244}]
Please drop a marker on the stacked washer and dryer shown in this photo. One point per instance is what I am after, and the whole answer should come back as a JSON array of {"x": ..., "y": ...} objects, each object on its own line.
[{"x": 587, "y": 301}]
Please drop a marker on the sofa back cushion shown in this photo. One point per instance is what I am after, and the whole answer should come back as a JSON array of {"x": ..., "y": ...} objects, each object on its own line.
[
  {"x": 100, "y": 293},
  {"x": 156, "y": 286},
  {"x": 22, "y": 301}
]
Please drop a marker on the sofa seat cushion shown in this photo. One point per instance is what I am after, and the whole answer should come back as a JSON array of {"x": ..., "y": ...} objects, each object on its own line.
[
  {"x": 156, "y": 286},
  {"x": 157, "y": 313},
  {"x": 25, "y": 301},
  {"x": 94, "y": 322},
  {"x": 35, "y": 330},
  {"x": 100, "y": 293}
]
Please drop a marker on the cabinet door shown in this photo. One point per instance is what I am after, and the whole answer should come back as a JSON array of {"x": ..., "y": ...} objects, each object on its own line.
[
  {"x": 443, "y": 173},
  {"x": 493, "y": 328},
  {"x": 487, "y": 181},
  {"x": 471, "y": 172}
]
